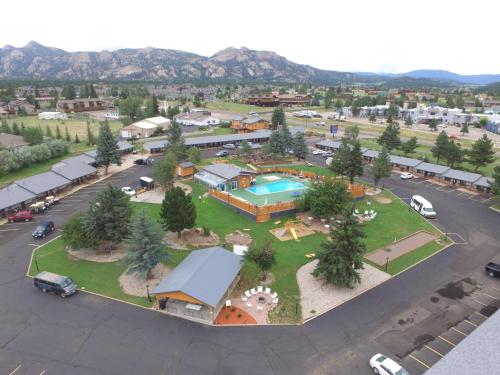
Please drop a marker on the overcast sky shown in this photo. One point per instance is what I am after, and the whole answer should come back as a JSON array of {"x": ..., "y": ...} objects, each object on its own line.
[{"x": 345, "y": 35}]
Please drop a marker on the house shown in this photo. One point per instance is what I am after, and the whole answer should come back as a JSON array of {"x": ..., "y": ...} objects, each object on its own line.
[
  {"x": 185, "y": 169},
  {"x": 483, "y": 184},
  {"x": 328, "y": 145},
  {"x": 14, "y": 196},
  {"x": 199, "y": 118},
  {"x": 431, "y": 170},
  {"x": 155, "y": 146},
  {"x": 11, "y": 141},
  {"x": 80, "y": 105},
  {"x": 52, "y": 116},
  {"x": 465, "y": 179},
  {"x": 249, "y": 124},
  {"x": 76, "y": 169},
  {"x": 18, "y": 105},
  {"x": 370, "y": 155},
  {"x": 224, "y": 177},
  {"x": 403, "y": 163},
  {"x": 199, "y": 286},
  {"x": 44, "y": 184},
  {"x": 145, "y": 128}
]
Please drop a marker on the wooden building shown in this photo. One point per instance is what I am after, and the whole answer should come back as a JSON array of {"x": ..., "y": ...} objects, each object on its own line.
[
  {"x": 185, "y": 169},
  {"x": 275, "y": 100},
  {"x": 249, "y": 124},
  {"x": 80, "y": 105}
]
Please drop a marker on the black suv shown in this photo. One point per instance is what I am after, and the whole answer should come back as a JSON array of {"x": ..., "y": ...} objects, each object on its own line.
[
  {"x": 57, "y": 284},
  {"x": 43, "y": 229},
  {"x": 493, "y": 268}
]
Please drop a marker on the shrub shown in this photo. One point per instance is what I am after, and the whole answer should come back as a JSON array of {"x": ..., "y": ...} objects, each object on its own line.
[
  {"x": 239, "y": 315},
  {"x": 224, "y": 125},
  {"x": 206, "y": 231},
  {"x": 203, "y": 128},
  {"x": 233, "y": 309},
  {"x": 74, "y": 234},
  {"x": 227, "y": 316}
]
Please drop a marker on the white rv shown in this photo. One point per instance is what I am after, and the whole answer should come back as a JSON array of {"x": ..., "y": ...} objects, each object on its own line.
[{"x": 422, "y": 206}]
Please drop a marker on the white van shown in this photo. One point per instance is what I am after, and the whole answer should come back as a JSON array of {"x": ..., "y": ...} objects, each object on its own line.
[{"x": 422, "y": 206}]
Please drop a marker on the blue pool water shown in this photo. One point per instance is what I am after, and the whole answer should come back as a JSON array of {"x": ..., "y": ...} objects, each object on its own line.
[{"x": 276, "y": 187}]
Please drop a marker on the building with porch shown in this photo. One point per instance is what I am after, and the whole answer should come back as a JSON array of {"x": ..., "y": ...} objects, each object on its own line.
[
  {"x": 80, "y": 105},
  {"x": 224, "y": 177},
  {"x": 199, "y": 286},
  {"x": 249, "y": 124}
]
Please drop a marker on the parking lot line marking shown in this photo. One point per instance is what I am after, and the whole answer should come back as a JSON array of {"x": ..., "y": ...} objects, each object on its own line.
[
  {"x": 456, "y": 330},
  {"x": 448, "y": 341},
  {"x": 33, "y": 244},
  {"x": 419, "y": 361},
  {"x": 475, "y": 300},
  {"x": 496, "y": 288},
  {"x": 434, "y": 351},
  {"x": 14, "y": 371},
  {"x": 43, "y": 372},
  {"x": 487, "y": 295},
  {"x": 8, "y": 230},
  {"x": 471, "y": 323}
]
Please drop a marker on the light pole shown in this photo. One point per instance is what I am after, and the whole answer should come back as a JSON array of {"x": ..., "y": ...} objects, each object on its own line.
[{"x": 147, "y": 291}]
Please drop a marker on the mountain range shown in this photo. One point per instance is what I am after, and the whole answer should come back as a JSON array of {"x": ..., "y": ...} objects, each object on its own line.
[{"x": 35, "y": 61}]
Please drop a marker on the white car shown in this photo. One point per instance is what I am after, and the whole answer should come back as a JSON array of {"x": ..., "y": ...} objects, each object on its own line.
[
  {"x": 383, "y": 365},
  {"x": 407, "y": 176},
  {"x": 317, "y": 152},
  {"x": 128, "y": 190}
]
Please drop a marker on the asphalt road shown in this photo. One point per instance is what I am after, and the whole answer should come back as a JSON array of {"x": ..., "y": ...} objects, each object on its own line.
[{"x": 86, "y": 334}]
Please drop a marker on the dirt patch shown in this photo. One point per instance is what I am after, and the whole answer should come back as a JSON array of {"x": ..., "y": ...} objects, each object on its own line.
[
  {"x": 317, "y": 225},
  {"x": 383, "y": 200},
  {"x": 238, "y": 238},
  {"x": 400, "y": 247},
  {"x": 186, "y": 188},
  {"x": 190, "y": 238},
  {"x": 134, "y": 285},
  {"x": 371, "y": 191},
  {"x": 98, "y": 255},
  {"x": 291, "y": 230}
]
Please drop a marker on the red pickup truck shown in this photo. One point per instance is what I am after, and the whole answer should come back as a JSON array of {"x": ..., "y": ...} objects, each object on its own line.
[{"x": 20, "y": 216}]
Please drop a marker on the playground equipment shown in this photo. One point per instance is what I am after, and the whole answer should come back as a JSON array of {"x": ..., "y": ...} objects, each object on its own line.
[{"x": 293, "y": 229}]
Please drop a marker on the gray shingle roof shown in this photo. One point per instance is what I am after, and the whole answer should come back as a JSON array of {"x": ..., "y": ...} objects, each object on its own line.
[
  {"x": 455, "y": 174},
  {"x": 43, "y": 182},
  {"x": 476, "y": 354},
  {"x": 371, "y": 153},
  {"x": 432, "y": 168},
  {"x": 194, "y": 141},
  {"x": 124, "y": 146},
  {"x": 91, "y": 153},
  {"x": 204, "y": 274},
  {"x": 296, "y": 129},
  {"x": 73, "y": 170},
  {"x": 227, "y": 171},
  {"x": 156, "y": 145},
  {"x": 83, "y": 158},
  {"x": 401, "y": 160},
  {"x": 484, "y": 182},
  {"x": 329, "y": 143},
  {"x": 252, "y": 120},
  {"x": 186, "y": 164},
  {"x": 13, "y": 195}
]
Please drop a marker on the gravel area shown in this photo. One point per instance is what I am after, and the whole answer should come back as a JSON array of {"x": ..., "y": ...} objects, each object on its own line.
[
  {"x": 133, "y": 285},
  {"x": 318, "y": 296},
  {"x": 96, "y": 256}
]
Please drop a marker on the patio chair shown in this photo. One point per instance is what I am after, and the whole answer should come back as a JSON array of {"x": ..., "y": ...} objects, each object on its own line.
[
  {"x": 260, "y": 289},
  {"x": 356, "y": 211},
  {"x": 228, "y": 303},
  {"x": 249, "y": 304},
  {"x": 244, "y": 299},
  {"x": 247, "y": 293},
  {"x": 260, "y": 308},
  {"x": 267, "y": 290},
  {"x": 366, "y": 213},
  {"x": 274, "y": 295},
  {"x": 275, "y": 301},
  {"x": 253, "y": 291},
  {"x": 372, "y": 212}
]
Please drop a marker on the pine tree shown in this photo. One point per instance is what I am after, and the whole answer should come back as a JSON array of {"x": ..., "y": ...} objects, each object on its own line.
[
  {"x": 177, "y": 211},
  {"x": 351, "y": 134},
  {"x": 263, "y": 257},
  {"x": 276, "y": 146},
  {"x": 58, "y": 133},
  {"x": 408, "y": 122},
  {"x": 433, "y": 125},
  {"x": 440, "y": 146},
  {"x": 409, "y": 146},
  {"x": 465, "y": 128},
  {"x": 107, "y": 148},
  {"x": 286, "y": 138},
  {"x": 340, "y": 159},
  {"x": 90, "y": 135},
  {"x": 92, "y": 92},
  {"x": 5, "y": 127},
  {"x": 354, "y": 167},
  {"x": 381, "y": 168},
  {"x": 109, "y": 214},
  {"x": 145, "y": 248},
  {"x": 48, "y": 132},
  {"x": 77, "y": 139},
  {"x": 299, "y": 146},
  {"x": 67, "y": 136},
  {"x": 390, "y": 137},
  {"x": 481, "y": 152},
  {"x": 454, "y": 154},
  {"x": 340, "y": 258},
  {"x": 156, "y": 107},
  {"x": 278, "y": 118},
  {"x": 175, "y": 140},
  {"x": 15, "y": 128},
  {"x": 194, "y": 155},
  {"x": 23, "y": 128},
  {"x": 495, "y": 184},
  {"x": 164, "y": 170}
]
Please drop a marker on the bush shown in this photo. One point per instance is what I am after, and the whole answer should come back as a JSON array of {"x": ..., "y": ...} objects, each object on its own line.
[
  {"x": 227, "y": 316},
  {"x": 233, "y": 309},
  {"x": 203, "y": 128},
  {"x": 74, "y": 234},
  {"x": 239, "y": 315},
  {"x": 206, "y": 231},
  {"x": 225, "y": 125}
]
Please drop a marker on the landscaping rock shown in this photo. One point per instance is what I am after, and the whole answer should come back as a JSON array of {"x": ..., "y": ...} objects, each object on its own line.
[
  {"x": 134, "y": 285},
  {"x": 97, "y": 255},
  {"x": 190, "y": 238},
  {"x": 238, "y": 238}
]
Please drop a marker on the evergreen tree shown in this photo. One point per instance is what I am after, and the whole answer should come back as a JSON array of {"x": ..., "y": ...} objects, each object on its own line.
[
  {"x": 67, "y": 136},
  {"x": 408, "y": 122},
  {"x": 276, "y": 146},
  {"x": 175, "y": 140},
  {"x": 381, "y": 168},
  {"x": 108, "y": 216},
  {"x": 483, "y": 121},
  {"x": 263, "y": 257},
  {"x": 481, "y": 152},
  {"x": 90, "y": 135},
  {"x": 465, "y": 128},
  {"x": 340, "y": 159},
  {"x": 23, "y": 128},
  {"x": 48, "y": 131},
  {"x": 390, "y": 137},
  {"x": 32, "y": 135},
  {"x": 245, "y": 149},
  {"x": 177, "y": 211},
  {"x": 164, "y": 170},
  {"x": 338, "y": 104},
  {"x": 351, "y": 134},
  {"x": 145, "y": 248},
  {"x": 77, "y": 140},
  {"x": 389, "y": 119},
  {"x": 84, "y": 91},
  {"x": 278, "y": 118},
  {"x": 495, "y": 184},
  {"x": 454, "y": 154},
  {"x": 433, "y": 125},
  {"x": 340, "y": 258},
  {"x": 92, "y": 92},
  {"x": 409, "y": 146},
  {"x": 372, "y": 118},
  {"x": 58, "y": 133},
  {"x": 172, "y": 112},
  {"x": 5, "y": 127},
  {"x": 440, "y": 147},
  {"x": 286, "y": 138},
  {"x": 299, "y": 146},
  {"x": 68, "y": 92},
  {"x": 197, "y": 101},
  {"x": 107, "y": 148},
  {"x": 194, "y": 155},
  {"x": 15, "y": 128},
  {"x": 325, "y": 198},
  {"x": 354, "y": 166}
]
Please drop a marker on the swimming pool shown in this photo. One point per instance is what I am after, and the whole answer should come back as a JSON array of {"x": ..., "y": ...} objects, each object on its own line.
[{"x": 276, "y": 187}]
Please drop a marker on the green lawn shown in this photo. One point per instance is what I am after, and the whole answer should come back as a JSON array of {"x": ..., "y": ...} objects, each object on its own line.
[
  {"x": 76, "y": 149},
  {"x": 234, "y": 107},
  {"x": 75, "y": 126},
  {"x": 215, "y": 131}
]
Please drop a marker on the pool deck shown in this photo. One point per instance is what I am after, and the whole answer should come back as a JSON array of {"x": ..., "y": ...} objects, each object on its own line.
[{"x": 270, "y": 198}]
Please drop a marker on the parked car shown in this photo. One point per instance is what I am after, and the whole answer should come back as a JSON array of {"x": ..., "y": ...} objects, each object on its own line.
[
  {"x": 20, "y": 216},
  {"x": 383, "y": 365},
  {"x": 129, "y": 191},
  {"x": 422, "y": 206},
  {"x": 493, "y": 267},
  {"x": 51, "y": 200},
  {"x": 222, "y": 153},
  {"x": 321, "y": 123},
  {"x": 144, "y": 161},
  {"x": 407, "y": 176},
  {"x": 38, "y": 207},
  {"x": 43, "y": 229},
  {"x": 318, "y": 152},
  {"x": 230, "y": 146},
  {"x": 327, "y": 154},
  {"x": 53, "y": 283},
  {"x": 317, "y": 115}
]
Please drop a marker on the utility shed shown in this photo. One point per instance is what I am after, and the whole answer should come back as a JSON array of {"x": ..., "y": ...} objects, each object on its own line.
[{"x": 198, "y": 287}]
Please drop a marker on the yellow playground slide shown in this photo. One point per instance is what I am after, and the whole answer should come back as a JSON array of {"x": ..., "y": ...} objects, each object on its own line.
[{"x": 294, "y": 234}]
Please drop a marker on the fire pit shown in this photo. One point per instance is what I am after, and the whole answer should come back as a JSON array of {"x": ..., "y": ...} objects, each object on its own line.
[{"x": 261, "y": 299}]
